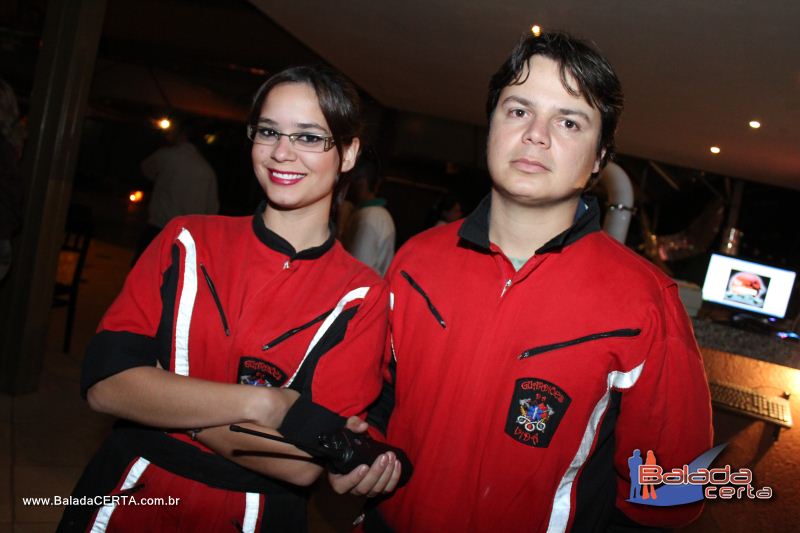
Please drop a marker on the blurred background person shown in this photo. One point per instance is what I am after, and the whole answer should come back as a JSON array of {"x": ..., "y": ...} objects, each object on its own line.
[
  {"x": 370, "y": 232},
  {"x": 10, "y": 181},
  {"x": 184, "y": 183},
  {"x": 448, "y": 209},
  {"x": 343, "y": 211}
]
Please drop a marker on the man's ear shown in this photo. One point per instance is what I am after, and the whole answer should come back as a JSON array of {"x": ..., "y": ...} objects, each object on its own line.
[{"x": 350, "y": 154}]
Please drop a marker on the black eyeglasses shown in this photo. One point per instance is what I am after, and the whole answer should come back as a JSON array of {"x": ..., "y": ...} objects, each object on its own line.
[{"x": 306, "y": 142}]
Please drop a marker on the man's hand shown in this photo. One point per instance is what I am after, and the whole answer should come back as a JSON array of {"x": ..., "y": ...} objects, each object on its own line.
[{"x": 370, "y": 481}]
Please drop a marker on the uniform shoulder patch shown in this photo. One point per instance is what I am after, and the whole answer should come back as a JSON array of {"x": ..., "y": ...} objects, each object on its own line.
[
  {"x": 254, "y": 371},
  {"x": 537, "y": 408}
]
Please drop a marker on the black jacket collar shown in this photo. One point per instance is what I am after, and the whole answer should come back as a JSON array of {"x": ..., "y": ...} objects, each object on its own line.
[
  {"x": 475, "y": 228},
  {"x": 281, "y": 245}
]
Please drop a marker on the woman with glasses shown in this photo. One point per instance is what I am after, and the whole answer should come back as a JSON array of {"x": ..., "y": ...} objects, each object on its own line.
[{"x": 265, "y": 322}]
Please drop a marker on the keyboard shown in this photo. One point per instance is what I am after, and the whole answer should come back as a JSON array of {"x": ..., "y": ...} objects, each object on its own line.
[{"x": 748, "y": 402}]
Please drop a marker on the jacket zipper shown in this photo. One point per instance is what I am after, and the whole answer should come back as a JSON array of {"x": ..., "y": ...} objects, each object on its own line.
[
  {"x": 216, "y": 300},
  {"x": 506, "y": 286},
  {"x": 417, "y": 288},
  {"x": 296, "y": 330},
  {"x": 549, "y": 347}
]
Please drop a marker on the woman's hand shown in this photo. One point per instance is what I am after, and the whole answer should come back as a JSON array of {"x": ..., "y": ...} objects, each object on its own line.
[
  {"x": 271, "y": 405},
  {"x": 379, "y": 478},
  {"x": 159, "y": 398}
]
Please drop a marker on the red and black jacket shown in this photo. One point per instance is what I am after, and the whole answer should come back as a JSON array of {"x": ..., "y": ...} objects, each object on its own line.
[
  {"x": 519, "y": 395},
  {"x": 226, "y": 299}
]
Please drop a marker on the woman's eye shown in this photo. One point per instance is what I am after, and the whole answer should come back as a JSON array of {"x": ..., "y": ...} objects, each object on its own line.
[
  {"x": 517, "y": 113},
  {"x": 268, "y": 133},
  {"x": 571, "y": 125},
  {"x": 309, "y": 138}
]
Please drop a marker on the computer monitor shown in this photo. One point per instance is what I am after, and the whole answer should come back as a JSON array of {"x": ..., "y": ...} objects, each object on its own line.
[{"x": 749, "y": 286}]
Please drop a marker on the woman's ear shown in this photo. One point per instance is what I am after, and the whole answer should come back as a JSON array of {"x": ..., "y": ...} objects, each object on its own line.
[
  {"x": 350, "y": 155},
  {"x": 597, "y": 161}
]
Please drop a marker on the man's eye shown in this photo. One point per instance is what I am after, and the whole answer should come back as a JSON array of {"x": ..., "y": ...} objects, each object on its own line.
[
  {"x": 571, "y": 125},
  {"x": 309, "y": 139},
  {"x": 517, "y": 112}
]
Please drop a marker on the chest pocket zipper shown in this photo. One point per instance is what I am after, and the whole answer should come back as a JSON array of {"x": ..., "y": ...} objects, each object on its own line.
[
  {"x": 296, "y": 330},
  {"x": 417, "y": 288},
  {"x": 588, "y": 338},
  {"x": 216, "y": 300}
]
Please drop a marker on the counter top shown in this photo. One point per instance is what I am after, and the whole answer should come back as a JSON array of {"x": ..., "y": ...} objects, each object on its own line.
[{"x": 761, "y": 346}]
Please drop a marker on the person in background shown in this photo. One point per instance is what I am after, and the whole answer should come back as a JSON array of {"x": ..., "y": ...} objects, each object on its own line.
[
  {"x": 184, "y": 183},
  {"x": 344, "y": 211},
  {"x": 447, "y": 209},
  {"x": 527, "y": 302},
  {"x": 262, "y": 321},
  {"x": 11, "y": 192},
  {"x": 370, "y": 232}
]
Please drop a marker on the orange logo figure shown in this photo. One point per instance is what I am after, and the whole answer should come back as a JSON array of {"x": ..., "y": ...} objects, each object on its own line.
[{"x": 648, "y": 490}]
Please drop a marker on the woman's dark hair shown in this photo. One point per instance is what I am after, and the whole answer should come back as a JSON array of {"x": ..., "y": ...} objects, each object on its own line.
[
  {"x": 338, "y": 99},
  {"x": 368, "y": 168},
  {"x": 597, "y": 82}
]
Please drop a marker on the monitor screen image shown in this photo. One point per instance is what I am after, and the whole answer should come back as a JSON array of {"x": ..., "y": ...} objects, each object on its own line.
[{"x": 748, "y": 286}]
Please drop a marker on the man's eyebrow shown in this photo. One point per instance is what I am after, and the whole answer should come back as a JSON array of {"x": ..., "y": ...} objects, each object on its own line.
[
  {"x": 518, "y": 99},
  {"x": 568, "y": 112}
]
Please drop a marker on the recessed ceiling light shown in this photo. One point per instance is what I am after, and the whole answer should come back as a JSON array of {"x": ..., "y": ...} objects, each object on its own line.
[
  {"x": 136, "y": 196},
  {"x": 755, "y": 124},
  {"x": 715, "y": 150},
  {"x": 536, "y": 30}
]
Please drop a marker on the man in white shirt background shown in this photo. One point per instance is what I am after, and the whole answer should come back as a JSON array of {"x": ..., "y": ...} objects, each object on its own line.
[
  {"x": 370, "y": 232},
  {"x": 184, "y": 183}
]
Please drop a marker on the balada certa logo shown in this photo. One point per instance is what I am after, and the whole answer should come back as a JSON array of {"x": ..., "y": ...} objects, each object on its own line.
[{"x": 652, "y": 485}]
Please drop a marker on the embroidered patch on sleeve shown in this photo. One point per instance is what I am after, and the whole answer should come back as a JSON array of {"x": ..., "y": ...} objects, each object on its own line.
[
  {"x": 254, "y": 371},
  {"x": 537, "y": 407}
]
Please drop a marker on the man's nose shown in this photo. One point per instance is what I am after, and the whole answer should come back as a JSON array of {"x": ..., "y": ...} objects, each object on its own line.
[{"x": 537, "y": 132}]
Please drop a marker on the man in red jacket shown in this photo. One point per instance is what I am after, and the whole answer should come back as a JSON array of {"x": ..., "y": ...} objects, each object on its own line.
[{"x": 532, "y": 353}]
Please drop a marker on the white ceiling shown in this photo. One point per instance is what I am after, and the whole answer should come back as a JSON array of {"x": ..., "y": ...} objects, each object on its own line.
[{"x": 695, "y": 72}]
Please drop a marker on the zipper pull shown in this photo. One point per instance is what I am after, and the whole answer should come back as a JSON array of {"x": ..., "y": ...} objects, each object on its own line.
[
  {"x": 506, "y": 287},
  {"x": 287, "y": 264}
]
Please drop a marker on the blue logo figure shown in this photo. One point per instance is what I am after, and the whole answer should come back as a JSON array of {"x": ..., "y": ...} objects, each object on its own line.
[{"x": 634, "y": 462}]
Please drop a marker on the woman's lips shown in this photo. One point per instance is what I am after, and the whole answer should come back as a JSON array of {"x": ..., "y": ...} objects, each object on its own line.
[
  {"x": 285, "y": 178},
  {"x": 530, "y": 166}
]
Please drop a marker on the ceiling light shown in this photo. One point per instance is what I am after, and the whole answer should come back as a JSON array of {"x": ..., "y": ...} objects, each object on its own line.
[
  {"x": 755, "y": 124},
  {"x": 136, "y": 196},
  {"x": 715, "y": 150},
  {"x": 164, "y": 123},
  {"x": 536, "y": 30}
]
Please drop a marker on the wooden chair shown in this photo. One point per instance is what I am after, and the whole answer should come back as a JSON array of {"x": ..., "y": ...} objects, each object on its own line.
[{"x": 78, "y": 235}]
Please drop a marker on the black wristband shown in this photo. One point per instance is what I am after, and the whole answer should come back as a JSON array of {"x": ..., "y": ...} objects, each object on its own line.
[{"x": 306, "y": 420}]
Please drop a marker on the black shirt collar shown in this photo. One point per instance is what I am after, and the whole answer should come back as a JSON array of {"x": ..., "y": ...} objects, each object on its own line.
[
  {"x": 281, "y": 245},
  {"x": 475, "y": 228}
]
